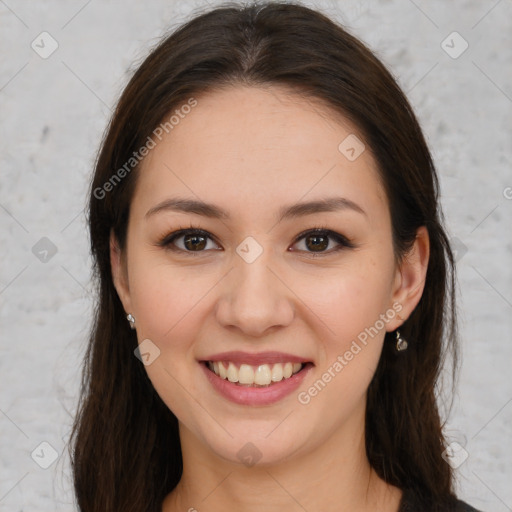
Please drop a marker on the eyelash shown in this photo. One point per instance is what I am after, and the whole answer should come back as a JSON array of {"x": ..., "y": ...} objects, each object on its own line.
[{"x": 343, "y": 242}]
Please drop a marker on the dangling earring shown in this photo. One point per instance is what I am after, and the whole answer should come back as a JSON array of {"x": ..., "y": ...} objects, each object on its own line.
[
  {"x": 401, "y": 343},
  {"x": 131, "y": 319}
]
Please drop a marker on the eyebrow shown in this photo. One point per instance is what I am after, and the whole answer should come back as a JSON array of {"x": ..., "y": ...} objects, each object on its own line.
[{"x": 328, "y": 204}]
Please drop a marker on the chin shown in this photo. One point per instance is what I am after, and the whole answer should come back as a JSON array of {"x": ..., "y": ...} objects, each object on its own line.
[{"x": 266, "y": 443}]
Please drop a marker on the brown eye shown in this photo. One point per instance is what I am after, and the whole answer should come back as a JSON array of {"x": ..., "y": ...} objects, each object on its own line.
[
  {"x": 188, "y": 241},
  {"x": 316, "y": 241},
  {"x": 194, "y": 242}
]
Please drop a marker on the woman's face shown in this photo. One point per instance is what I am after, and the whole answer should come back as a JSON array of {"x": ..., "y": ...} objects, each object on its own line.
[{"x": 254, "y": 281}]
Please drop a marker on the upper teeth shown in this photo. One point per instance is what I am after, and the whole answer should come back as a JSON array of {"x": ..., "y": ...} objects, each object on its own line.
[{"x": 261, "y": 375}]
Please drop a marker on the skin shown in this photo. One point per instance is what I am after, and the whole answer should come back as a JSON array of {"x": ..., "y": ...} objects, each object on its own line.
[{"x": 252, "y": 150}]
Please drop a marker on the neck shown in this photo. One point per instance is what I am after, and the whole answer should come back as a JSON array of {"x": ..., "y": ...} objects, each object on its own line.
[{"x": 334, "y": 475}]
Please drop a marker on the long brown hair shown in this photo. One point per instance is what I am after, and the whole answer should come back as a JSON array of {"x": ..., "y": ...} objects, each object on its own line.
[{"x": 125, "y": 448}]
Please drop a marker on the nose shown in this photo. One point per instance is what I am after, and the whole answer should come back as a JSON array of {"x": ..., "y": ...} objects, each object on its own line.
[{"x": 254, "y": 298}]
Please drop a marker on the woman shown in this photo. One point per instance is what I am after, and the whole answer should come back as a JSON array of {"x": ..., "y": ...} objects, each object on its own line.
[{"x": 275, "y": 284}]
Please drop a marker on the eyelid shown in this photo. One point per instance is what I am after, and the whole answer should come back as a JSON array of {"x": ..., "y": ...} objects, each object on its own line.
[
  {"x": 167, "y": 240},
  {"x": 343, "y": 241}
]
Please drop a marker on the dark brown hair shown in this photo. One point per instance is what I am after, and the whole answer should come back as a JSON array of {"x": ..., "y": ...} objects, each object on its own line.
[{"x": 125, "y": 448}]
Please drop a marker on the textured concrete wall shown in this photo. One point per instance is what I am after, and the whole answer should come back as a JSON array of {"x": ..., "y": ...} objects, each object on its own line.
[{"x": 53, "y": 111}]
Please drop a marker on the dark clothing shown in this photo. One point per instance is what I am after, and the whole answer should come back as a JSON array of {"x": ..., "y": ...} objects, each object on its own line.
[{"x": 411, "y": 503}]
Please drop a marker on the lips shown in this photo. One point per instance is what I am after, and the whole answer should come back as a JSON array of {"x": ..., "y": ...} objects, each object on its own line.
[
  {"x": 262, "y": 375},
  {"x": 255, "y": 379},
  {"x": 258, "y": 359}
]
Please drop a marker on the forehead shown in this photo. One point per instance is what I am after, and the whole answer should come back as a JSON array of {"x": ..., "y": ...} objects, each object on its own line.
[{"x": 256, "y": 147}]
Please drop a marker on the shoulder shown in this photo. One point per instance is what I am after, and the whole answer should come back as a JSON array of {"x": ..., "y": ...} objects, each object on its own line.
[
  {"x": 461, "y": 506},
  {"x": 412, "y": 503}
]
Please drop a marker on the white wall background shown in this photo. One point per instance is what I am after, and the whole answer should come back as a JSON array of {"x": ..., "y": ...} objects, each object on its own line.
[{"x": 53, "y": 113}]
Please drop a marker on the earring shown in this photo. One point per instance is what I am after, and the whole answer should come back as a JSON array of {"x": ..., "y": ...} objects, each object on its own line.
[
  {"x": 401, "y": 343},
  {"x": 131, "y": 319}
]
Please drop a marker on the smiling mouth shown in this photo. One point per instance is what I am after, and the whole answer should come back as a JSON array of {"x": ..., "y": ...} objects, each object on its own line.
[{"x": 264, "y": 375}]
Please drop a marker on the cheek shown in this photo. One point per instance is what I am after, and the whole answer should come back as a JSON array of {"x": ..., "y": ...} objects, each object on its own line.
[
  {"x": 353, "y": 344},
  {"x": 348, "y": 302},
  {"x": 168, "y": 305},
  {"x": 164, "y": 296},
  {"x": 354, "y": 312},
  {"x": 353, "y": 309}
]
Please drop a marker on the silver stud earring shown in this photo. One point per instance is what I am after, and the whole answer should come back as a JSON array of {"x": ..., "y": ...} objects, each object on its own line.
[
  {"x": 401, "y": 343},
  {"x": 131, "y": 319}
]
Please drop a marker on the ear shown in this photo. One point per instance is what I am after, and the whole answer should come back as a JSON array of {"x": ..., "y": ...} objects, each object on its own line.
[
  {"x": 410, "y": 278},
  {"x": 119, "y": 272}
]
